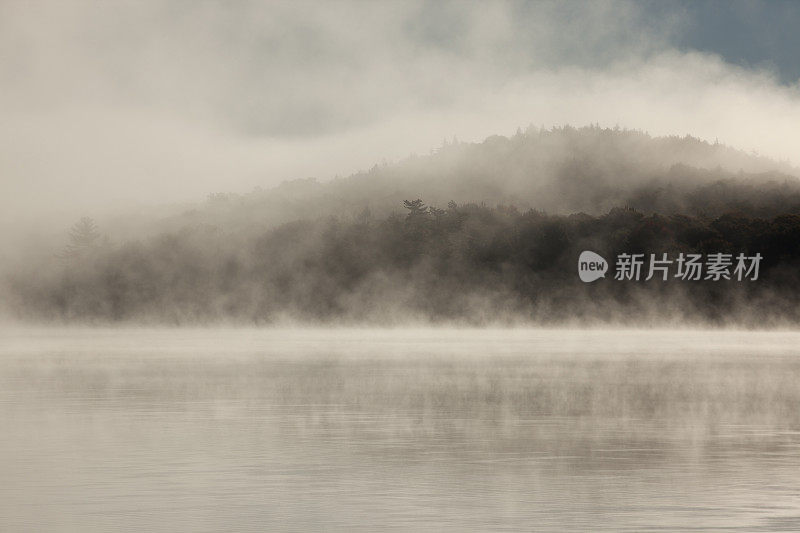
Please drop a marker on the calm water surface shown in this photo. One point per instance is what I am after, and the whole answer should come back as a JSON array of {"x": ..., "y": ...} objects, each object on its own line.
[{"x": 399, "y": 430}]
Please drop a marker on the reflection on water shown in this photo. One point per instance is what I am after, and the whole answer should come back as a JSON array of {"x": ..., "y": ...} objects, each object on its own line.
[{"x": 248, "y": 430}]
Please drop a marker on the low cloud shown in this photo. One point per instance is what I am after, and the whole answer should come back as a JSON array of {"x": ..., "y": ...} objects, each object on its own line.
[{"x": 112, "y": 105}]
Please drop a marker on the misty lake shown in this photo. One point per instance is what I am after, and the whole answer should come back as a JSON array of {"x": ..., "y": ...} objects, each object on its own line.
[{"x": 399, "y": 430}]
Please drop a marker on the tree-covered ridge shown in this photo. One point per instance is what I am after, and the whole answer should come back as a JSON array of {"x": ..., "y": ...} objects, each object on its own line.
[
  {"x": 457, "y": 263},
  {"x": 496, "y": 239},
  {"x": 560, "y": 171}
]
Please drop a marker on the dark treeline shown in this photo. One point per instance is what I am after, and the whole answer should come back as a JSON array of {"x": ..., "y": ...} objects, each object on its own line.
[{"x": 459, "y": 263}]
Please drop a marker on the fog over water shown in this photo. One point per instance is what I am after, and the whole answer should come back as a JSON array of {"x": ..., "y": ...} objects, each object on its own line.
[
  {"x": 313, "y": 266},
  {"x": 373, "y": 430}
]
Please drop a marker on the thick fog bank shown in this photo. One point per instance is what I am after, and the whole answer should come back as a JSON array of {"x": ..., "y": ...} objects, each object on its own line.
[{"x": 475, "y": 234}]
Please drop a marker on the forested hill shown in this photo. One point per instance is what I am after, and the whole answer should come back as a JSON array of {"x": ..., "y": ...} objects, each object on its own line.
[
  {"x": 560, "y": 171},
  {"x": 476, "y": 233}
]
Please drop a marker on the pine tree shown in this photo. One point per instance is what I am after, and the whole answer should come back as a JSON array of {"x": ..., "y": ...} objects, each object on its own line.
[{"x": 84, "y": 237}]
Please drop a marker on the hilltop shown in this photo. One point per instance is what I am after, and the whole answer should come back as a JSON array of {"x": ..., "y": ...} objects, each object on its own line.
[{"x": 559, "y": 171}]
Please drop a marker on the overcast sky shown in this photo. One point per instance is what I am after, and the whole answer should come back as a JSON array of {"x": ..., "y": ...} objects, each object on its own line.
[{"x": 105, "y": 104}]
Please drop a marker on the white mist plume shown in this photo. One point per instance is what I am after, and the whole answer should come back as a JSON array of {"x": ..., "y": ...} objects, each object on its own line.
[{"x": 110, "y": 105}]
